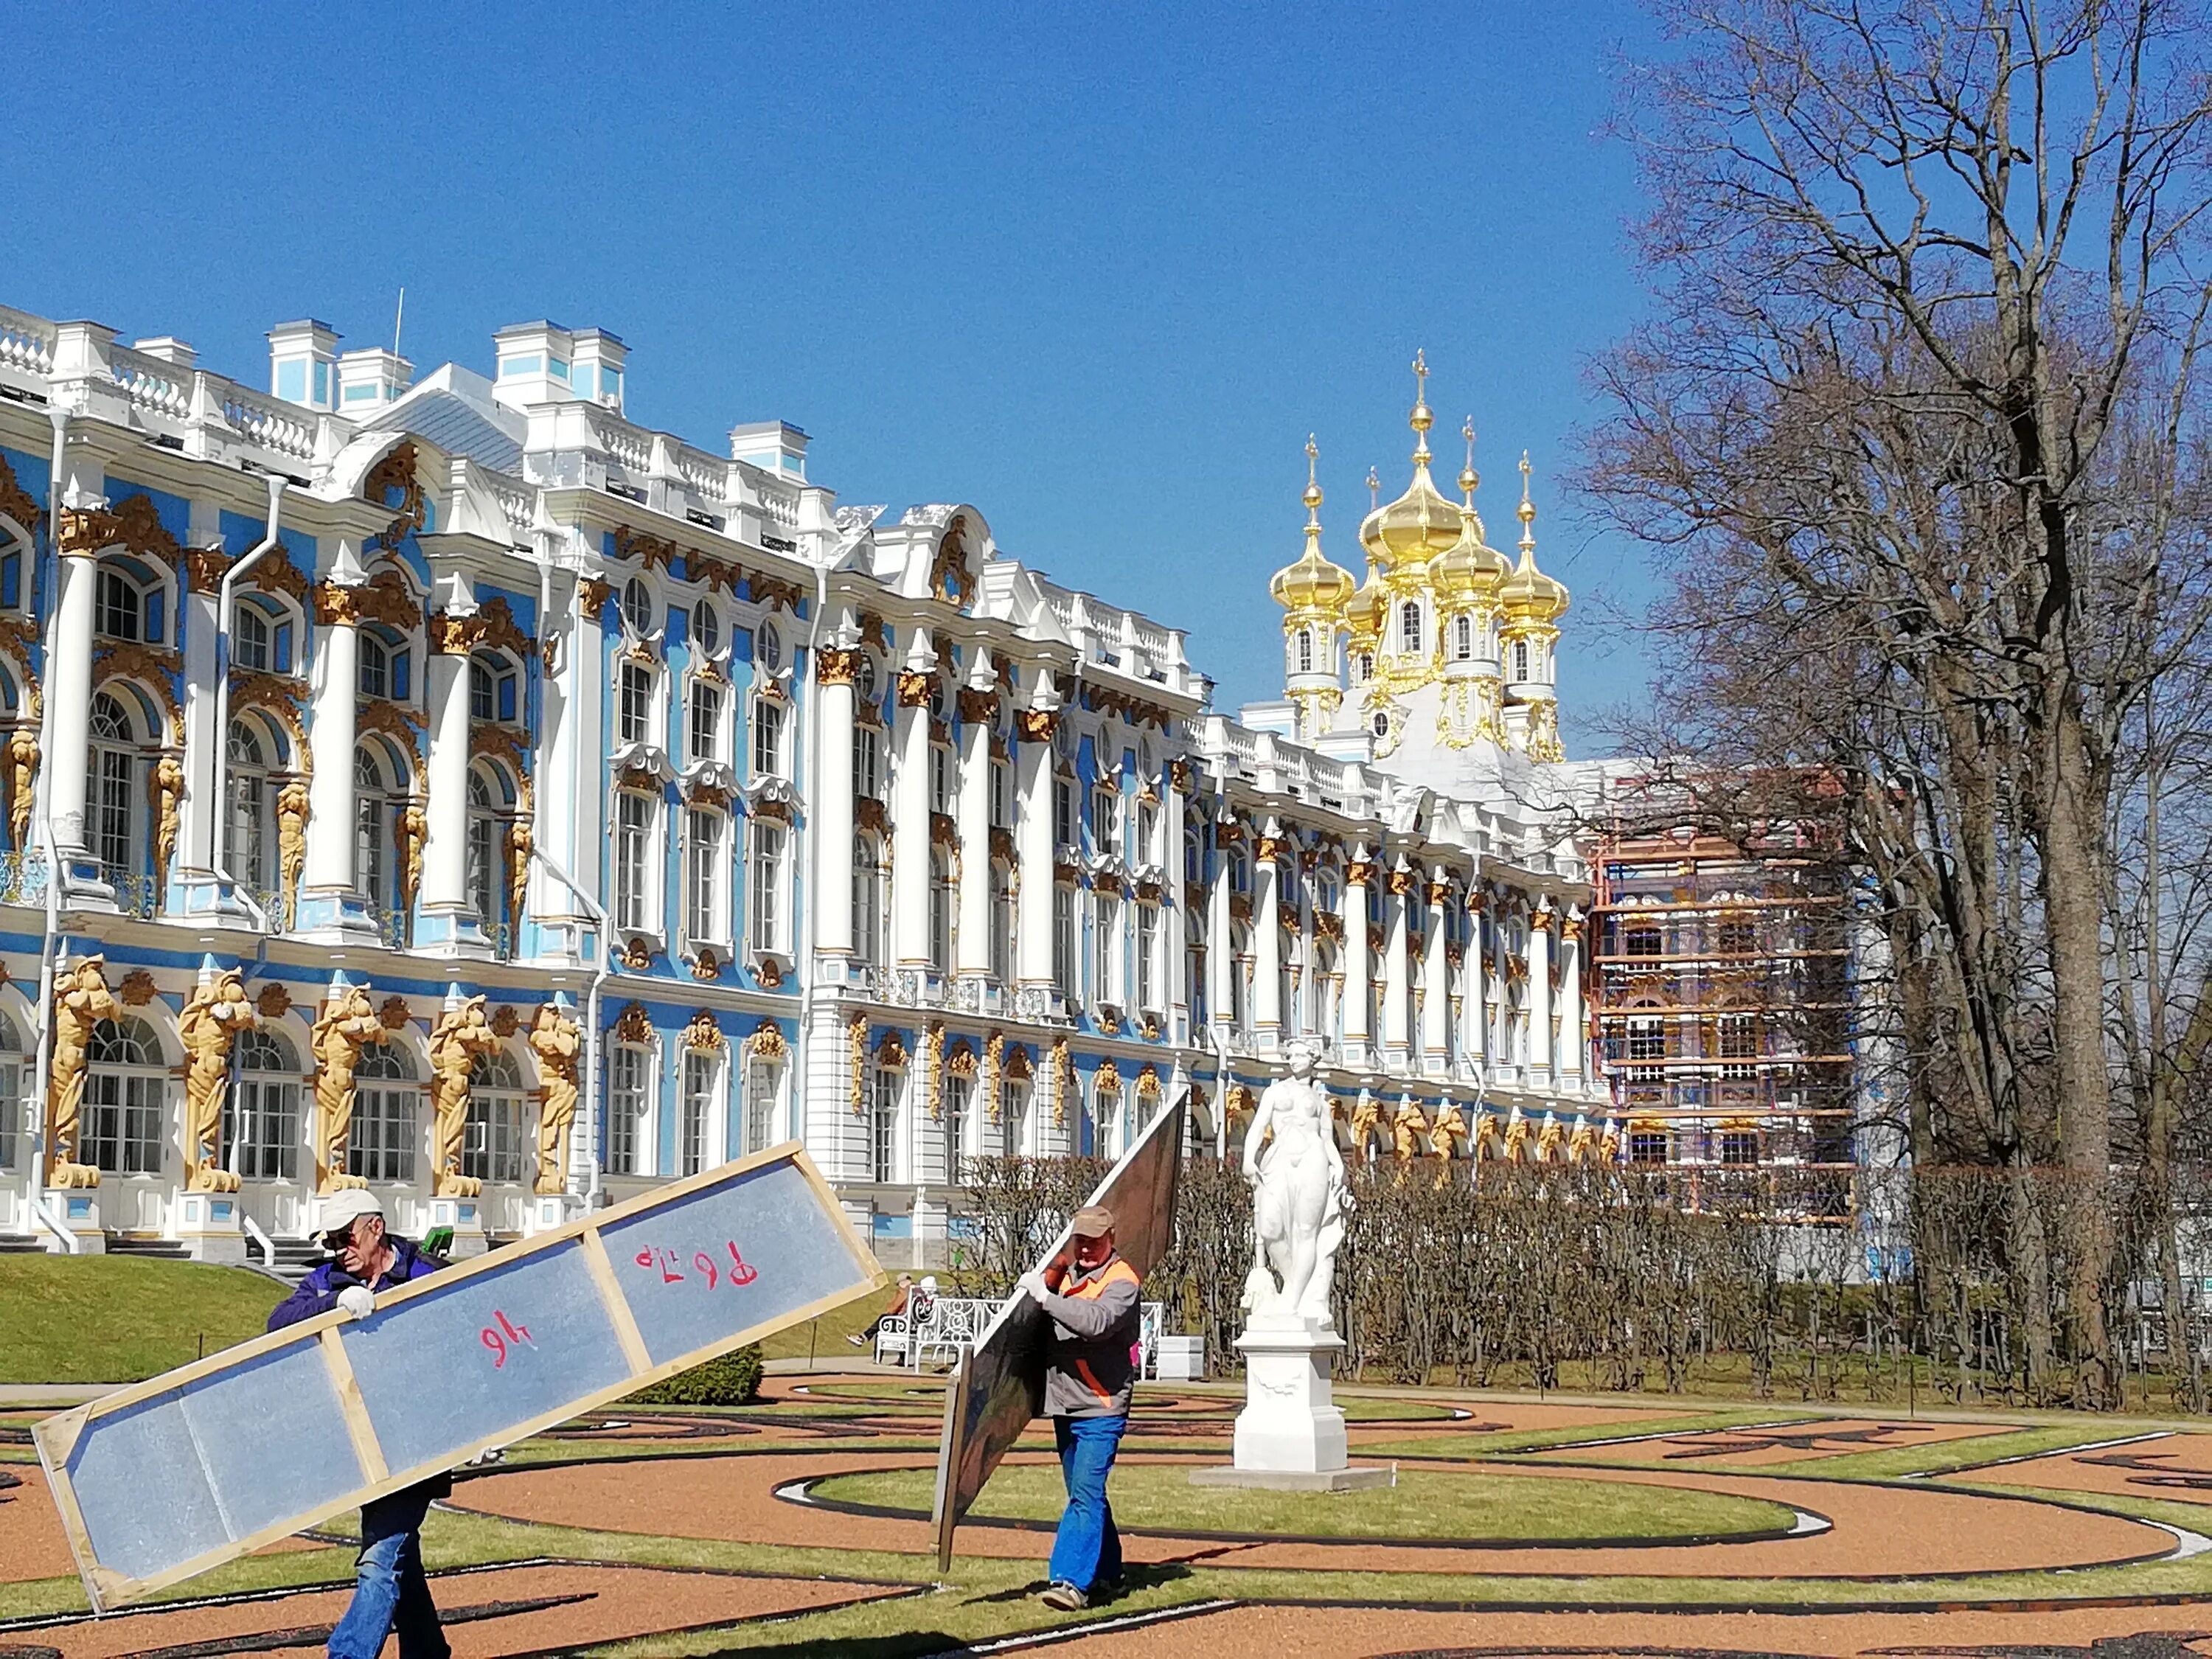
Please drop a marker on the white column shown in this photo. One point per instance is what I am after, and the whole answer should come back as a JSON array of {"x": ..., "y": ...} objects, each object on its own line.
[
  {"x": 1539, "y": 996},
  {"x": 830, "y": 800},
  {"x": 196, "y": 826},
  {"x": 1267, "y": 939},
  {"x": 972, "y": 943},
  {"x": 1396, "y": 964},
  {"x": 1436, "y": 1003},
  {"x": 1568, "y": 1061},
  {"x": 1358, "y": 878},
  {"x": 1175, "y": 915},
  {"x": 1220, "y": 959},
  {"x": 565, "y": 776},
  {"x": 1033, "y": 838},
  {"x": 1474, "y": 980},
  {"x": 449, "y": 926},
  {"x": 328, "y": 908},
  {"x": 68, "y": 681},
  {"x": 910, "y": 825}
]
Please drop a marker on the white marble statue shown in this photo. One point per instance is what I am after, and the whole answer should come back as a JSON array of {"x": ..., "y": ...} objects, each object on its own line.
[{"x": 1298, "y": 1198}]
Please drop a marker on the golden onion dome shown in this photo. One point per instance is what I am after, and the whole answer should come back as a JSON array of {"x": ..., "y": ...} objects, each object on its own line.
[
  {"x": 1311, "y": 582},
  {"x": 1471, "y": 567},
  {"x": 1420, "y": 524},
  {"x": 1529, "y": 596},
  {"x": 1364, "y": 615}
]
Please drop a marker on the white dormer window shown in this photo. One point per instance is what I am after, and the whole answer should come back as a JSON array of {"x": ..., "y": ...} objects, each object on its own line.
[
  {"x": 1519, "y": 660},
  {"x": 1409, "y": 629},
  {"x": 1462, "y": 638}
]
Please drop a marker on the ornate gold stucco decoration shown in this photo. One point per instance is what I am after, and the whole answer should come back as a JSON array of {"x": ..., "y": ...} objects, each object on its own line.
[
  {"x": 346, "y": 1024},
  {"x": 208, "y": 1027},
  {"x": 81, "y": 1000},
  {"x": 461, "y": 1038},
  {"x": 556, "y": 1040}
]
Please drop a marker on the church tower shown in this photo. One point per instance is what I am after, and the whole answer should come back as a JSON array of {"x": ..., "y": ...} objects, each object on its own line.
[
  {"x": 1533, "y": 604},
  {"x": 1312, "y": 592},
  {"x": 1466, "y": 582}
]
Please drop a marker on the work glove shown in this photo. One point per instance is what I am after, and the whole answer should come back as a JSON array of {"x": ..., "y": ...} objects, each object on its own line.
[
  {"x": 356, "y": 1302},
  {"x": 1034, "y": 1284}
]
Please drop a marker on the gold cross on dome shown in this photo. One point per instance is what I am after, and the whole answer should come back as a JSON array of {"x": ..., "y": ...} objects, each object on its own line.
[
  {"x": 1420, "y": 376},
  {"x": 1313, "y": 457}
]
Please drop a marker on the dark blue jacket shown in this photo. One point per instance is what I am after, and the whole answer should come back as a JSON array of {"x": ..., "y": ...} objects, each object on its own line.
[{"x": 318, "y": 1292}]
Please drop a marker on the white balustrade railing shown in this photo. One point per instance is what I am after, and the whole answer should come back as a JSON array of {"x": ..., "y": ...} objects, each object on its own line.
[
  {"x": 781, "y": 506},
  {"x": 27, "y": 343},
  {"x": 269, "y": 423},
  {"x": 152, "y": 384},
  {"x": 630, "y": 447}
]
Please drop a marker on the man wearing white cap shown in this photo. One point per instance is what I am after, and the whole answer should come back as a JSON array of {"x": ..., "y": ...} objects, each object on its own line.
[{"x": 389, "y": 1591}]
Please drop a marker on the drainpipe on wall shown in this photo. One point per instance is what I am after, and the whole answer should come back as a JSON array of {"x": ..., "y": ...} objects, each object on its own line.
[
  {"x": 806, "y": 963},
  {"x": 220, "y": 859}
]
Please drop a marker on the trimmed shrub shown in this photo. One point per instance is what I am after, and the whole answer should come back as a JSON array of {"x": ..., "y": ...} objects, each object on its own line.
[{"x": 731, "y": 1380}]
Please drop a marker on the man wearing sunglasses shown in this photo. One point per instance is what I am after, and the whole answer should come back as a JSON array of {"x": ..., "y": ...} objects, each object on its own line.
[{"x": 390, "y": 1589}]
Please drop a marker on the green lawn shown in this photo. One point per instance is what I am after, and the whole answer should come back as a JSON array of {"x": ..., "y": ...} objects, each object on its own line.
[
  {"x": 117, "y": 1319},
  {"x": 1424, "y": 1503}
]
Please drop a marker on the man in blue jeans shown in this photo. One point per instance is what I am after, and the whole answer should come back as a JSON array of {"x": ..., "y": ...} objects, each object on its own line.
[
  {"x": 389, "y": 1591},
  {"x": 1092, "y": 1357}
]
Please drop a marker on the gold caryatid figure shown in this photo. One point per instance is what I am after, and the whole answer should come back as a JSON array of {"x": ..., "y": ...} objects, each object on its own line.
[
  {"x": 208, "y": 1027},
  {"x": 1518, "y": 1130},
  {"x": 1367, "y": 1111},
  {"x": 1551, "y": 1140},
  {"x": 1407, "y": 1128},
  {"x": 22, "y": 772},
  {"x": 1608, "y": 1145},
  {"x": 346, "y": 1024},
  {"x": 1581, "y": 1143},
  {"x": 462, "y": 1036},
  {"x": 1445, "y": 1136},
  {"x": 81, "y": 1000},
  {"x": 556, "y": 1039},
  {"x": 1489, "y": 1141}
]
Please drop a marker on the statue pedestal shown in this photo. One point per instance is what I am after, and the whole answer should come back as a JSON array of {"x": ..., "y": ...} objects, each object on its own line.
[
  {"x": 1290, "y": 1436},
  {"x": 465, "y": 1217},
  {"x": 76, "y": 1208},
  {"x": 209, "y": 1226}
]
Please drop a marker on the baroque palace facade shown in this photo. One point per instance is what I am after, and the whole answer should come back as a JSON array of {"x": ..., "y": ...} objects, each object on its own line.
[{"x": 457, "y": 788}]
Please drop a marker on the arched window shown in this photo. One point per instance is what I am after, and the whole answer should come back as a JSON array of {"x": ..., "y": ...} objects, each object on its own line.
[
  {"x": 707, "y": 627},
  {"x": 1463, "y": 637},
  {"x": 381, "y": 1146},
  {"x": 252, "y": 834},
  {"x": 1240, "y": 981},
  {"x": 127, "y": 603},
  {"x": 1409, "y": 628},
  {"x": 1106, "y": 984},
  {"x": 491, "y": 689},
  {"x": 1519, "y": 660},
  {"x": 767, "y": 648},
  {"x": 1305, "y": 650},
  {"x": 868, "y": 900},
  {"x": 867, "y": 763},
  {"x": 770, "y": 760},
  {"x": 1106, "y": 819},
  {"x": 261, "y": 1120},
  {"x": 1367, "y": 666},
  {"x": 121, "y": 1131},
  {"x": 629, "y": 1109},
  {"x": 940, "y": 909},
  {"x": 383, "y": 668},
  {"x": 482, "y": 871},
  {"x": 374, "y": 809},
  {"x": 1194, "y": 965},
  {"x": 959, "y": 1112},
  {"x": 249, "y": 639},
  {"x": 496, "y": 1148},
  {"x": 111, "y": 792}
]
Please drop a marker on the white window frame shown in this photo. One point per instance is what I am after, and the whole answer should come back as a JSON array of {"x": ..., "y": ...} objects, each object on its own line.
[{"x": 706, "y": 876}]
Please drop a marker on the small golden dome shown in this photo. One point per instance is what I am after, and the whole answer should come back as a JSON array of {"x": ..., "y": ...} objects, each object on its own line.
[
  {"x": 1471, "y": 567},
  {"x": 1420, "y": 524},
  {"x": 1363, "y": 616},
  {"x": 1311, "y": 583},
  {"x": 1530, "y": 596}
]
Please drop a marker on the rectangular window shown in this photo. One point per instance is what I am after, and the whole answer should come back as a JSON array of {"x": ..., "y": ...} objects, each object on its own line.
[
  {"x": 940, "y": 911},
  {"x": 768, "y": 738},
  {"x": 627, "y": 1104},
  {"x": 959, "y": 1099},
  {"x": 1063, "y": 938},
  {"x": 1009, "y": 1119},
  {"x": 1148, "y": 835},
  {"x": 1002, "y": 923},
  {"x": 122, "y": 1127},
  {"x": 1647, "y": 1146},
  {"x": 634, "y": 715},
  {"x": 381, "y": 1146},
  {"x": 867, "y": 901},
  {"x": 762, "y": 1080},
  {"x": 1002, "y": 796},
  {"x": 633, "y": 835},
  {"x": 940, "y": 778},
  {"x": 495, "y": 1148},
  {"x": 1106, "y": 820},
  {"x": 11, "y": 1112},
  {"x": 883, "y": 1139},
  {"x": 261, "y": 1129},
  {"x": 1105, "y": 948},
  {"x": 867, "y": 763},
  {"x": 1063, "y": 812},
  {"x": 767, "y": 895},
  {"x": 705, "y": 722},
  {"x": 368, "y": 841},
  {"x": 691, "y": 1138},
  {"x": 111, "y": 809},
  {"x": 703, "y": 861},
  {"x": 1740, "y": 1147},
  {"x": 11, "y": 581},
  {"x": 1647, "y": 1039}
]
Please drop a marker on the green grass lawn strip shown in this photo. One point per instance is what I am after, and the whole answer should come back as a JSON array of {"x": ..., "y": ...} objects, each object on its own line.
[
  {"x": 119, "y": 1318},
  {"x": 1424, "y": 1503},
  {"x": 1468, "y": 1445},
  {"x": 1942, "y": 1455}
]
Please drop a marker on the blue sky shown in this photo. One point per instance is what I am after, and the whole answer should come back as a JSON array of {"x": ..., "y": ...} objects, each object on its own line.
[{"x": 1097, "y": 270}]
